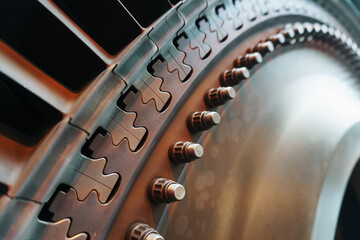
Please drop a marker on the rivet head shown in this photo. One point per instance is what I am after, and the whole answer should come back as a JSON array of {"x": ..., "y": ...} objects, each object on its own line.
[
  {"x": 264, "y": 48},
  {"x": 320, "y": 30},
  {"x": 194, "y": 151},
  {"x": 308, "y": 31},
  {"x": 277, "y": 39},
  {"x": 289, "y": 35},
  {"x": 201, "y": 121},
  {"x": 176, "y": 191},
  {"x": 213, "y": 118},
  {"x": 183, "y": 152},
  {"x": 336, "y": 39},
  {"x": 299, "y": 29},
  {"x": 154, "y": 236},
  {"x": 308, "y": 28},
  {"x": 142, "y": 231},
  {"x": 248, "y": 61},
  {"x": 234, "y": 77},
  {"x": 227, "y": 93},
  {"x": 218, "y": 96},
  {"x": 162, "y": 190}
]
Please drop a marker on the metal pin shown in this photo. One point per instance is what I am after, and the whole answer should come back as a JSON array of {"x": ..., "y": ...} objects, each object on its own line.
[
  {"x": 336, "y": 40},
  {"x": 298, "y": 29},
  {"x": 308, "y": 31},
  {"x": 248, "y": 61},
  {"x": 183, "y": 152},
  {"x": 142, "y": 231},
  {"x": 289, "y": 35},
  {"x": 263, "y": 48},
  {"x": 162, "y": 190},
  {"x": 201, "y": 121},
  {"x": 234, "y": 77},
  {"x": 154, "y": 236},
  {"x": 320, "y": 30},
  {"x": 277, "y": 39},
  {"x": 218, "y": 96}
]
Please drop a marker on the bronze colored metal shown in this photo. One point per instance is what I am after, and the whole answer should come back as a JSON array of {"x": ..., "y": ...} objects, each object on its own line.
[
  {"x": 129, "y": 164},
  {"x": 142, "y": 231},
  {"x": 141, "y": 206},
  {"x": 218, "y": 96},
  {"x": 290, "y": 36},
  {"x": 201, "y": 121},
  {"x": 274, "y": 162},
  {"x": 234, "y": 77},
  {"x": 248, "y": 61},
  {"x": 263, "y": 48},
  {"x": 183, "y": 152},
  {"x": 320, "y": 30},
  {"x": 162, "y": 190},
  {"x": 276, "y": 39}
]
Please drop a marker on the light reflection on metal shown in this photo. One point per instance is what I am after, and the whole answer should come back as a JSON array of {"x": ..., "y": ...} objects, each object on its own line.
[{"x": 273, "y": 188}]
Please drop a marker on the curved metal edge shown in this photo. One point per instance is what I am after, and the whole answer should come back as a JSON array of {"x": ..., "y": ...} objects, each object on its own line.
[
  {"x": 143, "y": 60},
  {"x": 341, "y": 165}
]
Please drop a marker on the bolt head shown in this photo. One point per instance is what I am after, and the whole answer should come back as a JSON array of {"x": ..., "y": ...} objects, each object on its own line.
[
  {"x": 257, "y": 59},
  {"x": 154, "y": 236},
  {"x": 243, "y": 73},
  {"x": 215, "y": 118},
  {"x": 270, "y": 46},
  {"x": 177, "y": 191},
  {"x": 230, "y": 92},
  {"x": 196, "y": 150}
]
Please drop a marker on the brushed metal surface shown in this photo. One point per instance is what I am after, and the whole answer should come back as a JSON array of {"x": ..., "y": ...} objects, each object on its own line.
[{"x": 268, "y": 168}]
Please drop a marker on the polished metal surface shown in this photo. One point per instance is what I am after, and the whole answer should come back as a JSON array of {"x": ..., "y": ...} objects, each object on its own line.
[
  {"x": 155, "y": 75},
  {"x": 235, "y": 76},
  {"x": 201, "y": 121},
  {"x": 141, "y": 231},
  {"x": 249, "y": 60},
  {"x": 158, "y": 163},
  {"x": 176, "y": 191},
  {"x": 154, "y": 236},
  {"x": 182, "y": 152},
  {"x": 303, "y": 121},
  {"x": 218, "y": 96},
  {"x": 277, "y": 39},
  {"x": 162, "y": 190},
  {"x": 263, "y": 48}
]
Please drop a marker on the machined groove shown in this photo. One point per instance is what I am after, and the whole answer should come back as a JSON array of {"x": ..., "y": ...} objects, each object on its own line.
[
  {"x": 183, "y": 152},
  {"x": 201, "y": 121},
  {"x": 162, "y": 190},
  {"x": 177, "y": 151},
  {"x": 219, "y": 96},
  {"x": 249, "y": 60},
  {"x": 235, "y": 76}
]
